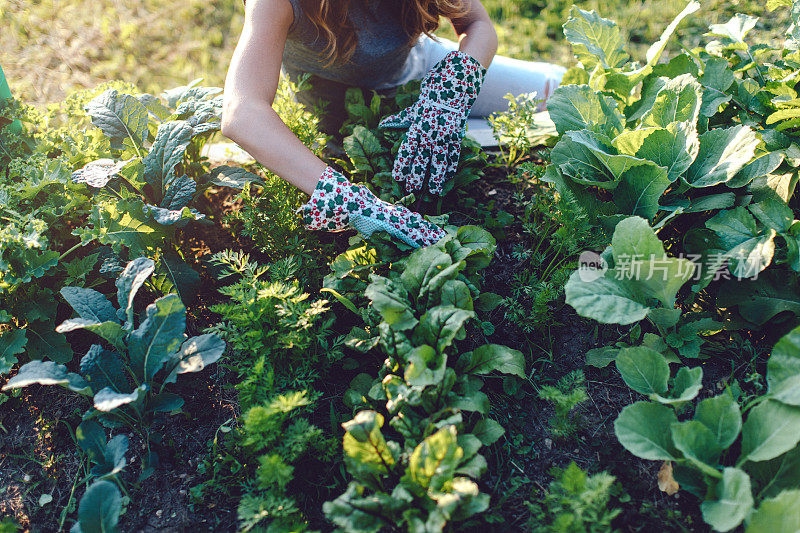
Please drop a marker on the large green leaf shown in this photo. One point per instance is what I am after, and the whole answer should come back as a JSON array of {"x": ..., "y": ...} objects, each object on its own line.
[
  {"x": 158, "y": 337},
  {"x": 771, "y": 429},
  {"x": 109, "y": 457},
  {"x": 783, "y": 369},
  {"x": 490, "y": 357},
  {"x": 640, "y": 188},
  {"x": 760, "y": 166},
  {"x": 605, "y": 299},
  {"x": 733, "y": 502},
  {"x": 780, "y": 514},
  {"x": 639, "y": 258},
  {"x": 104, "y": 368},
  {"x": 130, "y": 281},
  {"x": 441, "y": 324},
  {"x": 642, "y": 428},
  {"x": 360, "y": 510},
  {"x": 585, "y": 156},
  {"x": 594, "y": 40},
  {"x": 365, "y": 151},
  {"x": 425, "y": 366},
  {"x": 178, "y": 191},
  {"x": 759, "y": 300},
  {"x": 774, "y": 214},
  {"x": 113, "y": 332},
  {"x": 108, "y": 399},
  {"x": 685, "y": 387},
  {"x": 183, "y": 279},
  {"x": 723, "y": 152},
  {"x": 579, "y": 107},
  {"x": 91, "y": 438},
  {"x": 390, "y": 299},
  {"x": 673, "y": 147},
  {"x": 721, "y": 415},
  {"x": 716, "y": 80},
  {"x": 167, "y": 151},
  {"x": 488, "y": 431},
  {"x": 98, "y": 511},
  {"x": 47, "y": 373},
  {"x": 195, "y": 354},
  {"x": 749, "y": 247},
  {"x": 364, "y": 445},
  {"x": 12, "y": 343},
  {"x": 698, "y": 444},
  {"x": 657, "y": 48},
  {"x": 455, "y": 293},
  {"x": 119, "y": 117},
  {"x": 735, "y": 29},
  {"x": 677, "y": 101},
  {"x": 777, "y": 474},
  {"x": 633, "y": 237},
  {"x": 434, "y": 461},
  {"x": 644, "y": 370},
  {"x": 232, "y": 177},
  {"x": 90, "y": 304}
]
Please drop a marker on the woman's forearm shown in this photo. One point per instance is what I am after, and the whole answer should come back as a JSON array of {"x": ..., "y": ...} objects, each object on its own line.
[{"x": 257, "y": 128}]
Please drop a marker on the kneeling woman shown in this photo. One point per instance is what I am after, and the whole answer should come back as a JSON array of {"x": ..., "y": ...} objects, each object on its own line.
[{"x": 373, "y": 44}]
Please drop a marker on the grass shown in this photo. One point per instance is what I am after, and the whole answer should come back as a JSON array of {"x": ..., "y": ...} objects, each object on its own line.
[{"x": 51, "y": 47}]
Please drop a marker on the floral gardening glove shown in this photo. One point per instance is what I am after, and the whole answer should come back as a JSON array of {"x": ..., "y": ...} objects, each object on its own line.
[
  {"x": 336, "y": 204},
  {"x": 436, "y": 122}
]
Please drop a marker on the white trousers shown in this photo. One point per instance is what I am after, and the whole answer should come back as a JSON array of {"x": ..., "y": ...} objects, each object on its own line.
[{"x": 505, "y": 75}]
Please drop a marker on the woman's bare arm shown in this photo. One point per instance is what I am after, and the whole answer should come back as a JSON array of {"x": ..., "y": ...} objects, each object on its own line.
[
  {"x": 250, "y": 88},
  {"x": 477, "y": 36}
]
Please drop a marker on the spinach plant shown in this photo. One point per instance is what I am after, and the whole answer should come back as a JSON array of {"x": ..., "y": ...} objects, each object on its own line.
[{"x": 429, "y": 392}]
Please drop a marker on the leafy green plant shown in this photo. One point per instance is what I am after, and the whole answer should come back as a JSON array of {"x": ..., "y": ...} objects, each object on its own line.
[
  {"x": 754, "y": 481},
  {"x": 427, "y": 480},
  {"x": 37, "y": 203},
  {"x": 285, "y": 336},
  {"x": 575, "y": 503},
  {"x": 144, "y": 194},
  {"x": 127, "y": 381},
  {"x": 511, "y": 128},
  {"x": 99, "y": 509},
  {"x": 565, "y": 395},
  {"x": 721, "y": 194},
  {"x": 555, "y": 230},
  {"x": 279, "y": 438}
]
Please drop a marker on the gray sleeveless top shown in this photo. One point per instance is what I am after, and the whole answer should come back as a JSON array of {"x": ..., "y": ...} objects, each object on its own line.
[{"x": 383, "y": 46}]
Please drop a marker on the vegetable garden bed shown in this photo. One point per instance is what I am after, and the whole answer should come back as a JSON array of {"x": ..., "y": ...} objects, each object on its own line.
[{"x": 241, "y": 373}]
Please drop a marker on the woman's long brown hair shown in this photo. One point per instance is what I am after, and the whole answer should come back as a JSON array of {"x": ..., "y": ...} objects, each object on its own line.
[{"x": 331, "y": 19}]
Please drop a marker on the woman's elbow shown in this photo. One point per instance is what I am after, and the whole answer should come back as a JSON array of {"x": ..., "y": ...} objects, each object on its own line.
[
  {"x": 230, "y": 119},
  {"x": 493, "y": 42}
]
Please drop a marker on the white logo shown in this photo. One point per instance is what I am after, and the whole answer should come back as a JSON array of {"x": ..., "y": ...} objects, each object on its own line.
[{"x": 591, "y": 266}]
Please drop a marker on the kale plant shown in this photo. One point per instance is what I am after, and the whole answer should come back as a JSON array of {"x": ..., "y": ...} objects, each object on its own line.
[
  {"x": 126, "y": 377},
  {"x": 145, "y": 192}
]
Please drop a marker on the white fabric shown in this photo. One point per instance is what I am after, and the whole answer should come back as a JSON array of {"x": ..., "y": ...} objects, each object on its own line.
[{"x": 505, "y": 75}]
